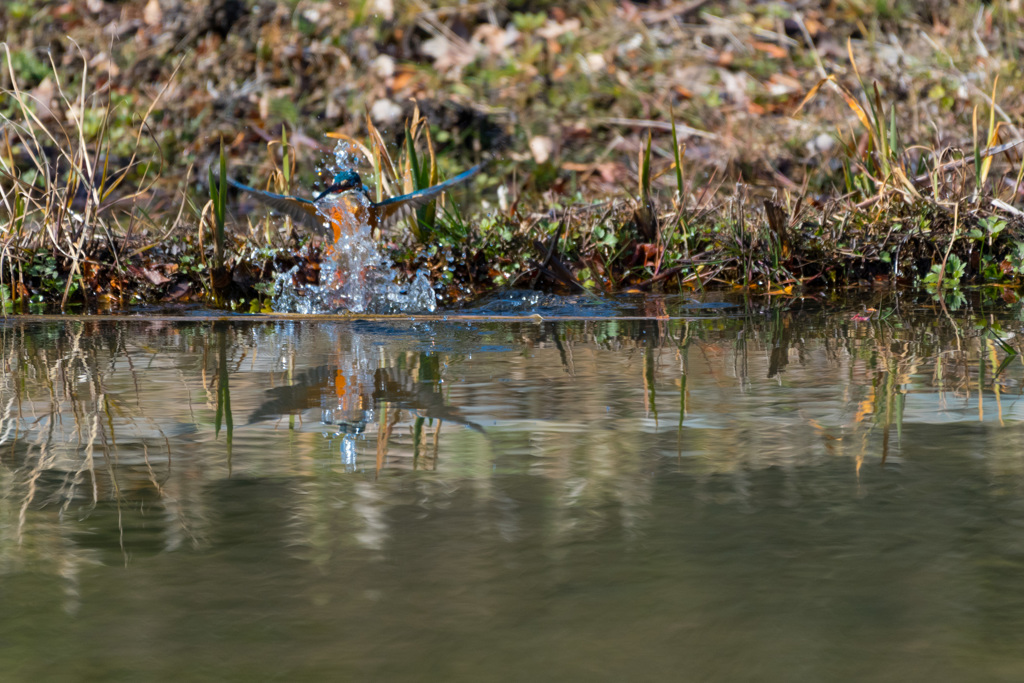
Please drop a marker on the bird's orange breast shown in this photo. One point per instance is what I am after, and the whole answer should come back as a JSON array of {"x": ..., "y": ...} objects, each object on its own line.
[{"x": 348, "y": 213}]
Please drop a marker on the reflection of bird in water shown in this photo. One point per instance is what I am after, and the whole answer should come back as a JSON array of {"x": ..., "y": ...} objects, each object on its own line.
[
  {"x": 305, "y": 391},
  {"x": 345, "y": 205},
  {"x": 398, "y": 387},
  {"x": 345, "y": 399}
]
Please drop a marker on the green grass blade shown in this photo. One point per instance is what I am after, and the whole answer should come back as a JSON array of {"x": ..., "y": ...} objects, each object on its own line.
[
  {"x": 286, "y": 171},
  {"x": 678, "y": 159}
]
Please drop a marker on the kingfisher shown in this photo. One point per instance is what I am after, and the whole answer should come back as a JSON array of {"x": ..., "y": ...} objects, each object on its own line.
[{"x": 345, "y": 204}]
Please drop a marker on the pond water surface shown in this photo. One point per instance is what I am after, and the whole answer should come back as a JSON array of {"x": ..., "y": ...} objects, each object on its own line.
[{"x": 736, "y": 496}]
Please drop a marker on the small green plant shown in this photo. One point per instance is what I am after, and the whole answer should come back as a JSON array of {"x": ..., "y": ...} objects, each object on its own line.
[
  {"x": 984, "y": 234},
  {"x": 452, "y": 226},
  {"x": 264, "y": 302},
  {"x": 188, "y": 264},
  {"x": 219, "y": 203},
  {"x": 988, "y": 228},
  {"x": 529, "y": 21},
  {"x": 1016, "y": 259},
  {"x": 948, "y": 280},
  {"x": 44, "y": 270},
  {"x": 422, "y": 173},
  {"x": 677, "y": 156},
  {"x": 586, "y": 278}
]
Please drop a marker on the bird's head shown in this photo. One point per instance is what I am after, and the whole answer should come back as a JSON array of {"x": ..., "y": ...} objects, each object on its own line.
[{"x": 343, "y": 182}]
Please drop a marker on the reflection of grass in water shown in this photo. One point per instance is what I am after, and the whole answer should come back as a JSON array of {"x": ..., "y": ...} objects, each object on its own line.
[
  {"x": 84, "y": 435},
  {"x": 74, "y": 447},
  {"x": 223, "y": 413}
]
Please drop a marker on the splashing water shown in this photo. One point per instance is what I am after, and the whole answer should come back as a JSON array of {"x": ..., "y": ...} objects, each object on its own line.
[
  {"x": 355, "y": 276},
  {"x": 343, "y": 156}
]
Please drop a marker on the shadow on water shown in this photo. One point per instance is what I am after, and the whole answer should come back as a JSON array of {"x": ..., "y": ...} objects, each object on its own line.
[{"x": 763, "y": 495}]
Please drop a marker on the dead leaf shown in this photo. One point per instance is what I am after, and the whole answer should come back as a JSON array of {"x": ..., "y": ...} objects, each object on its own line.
[
  {"x": 42, "y": 95},
  {"x": 683, "y": 92},
  {"x": 771, "y": 49},
  {"x": 153, "y": 15},
  {"x": 609, "y": 171},
  {"x": 554, "y": 29},
  {"x": 385, "y": 112},
  {"x": 385, "y": 9},
  {"x": 541, "y": 148},
  {"x": 149, "y": 274},
  {"x": 402, "y": 80},
  {"x": 494, "y": 38},
  {"x": 646, "y": 254},
  {"x": 177, "y": 291},
  {"x": 220, "y": 278}
]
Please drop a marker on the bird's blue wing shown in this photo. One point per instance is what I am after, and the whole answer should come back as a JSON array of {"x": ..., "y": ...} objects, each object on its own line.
[
  {"x": 300, "y": 210},
  {"x": 396, "y": 208}
]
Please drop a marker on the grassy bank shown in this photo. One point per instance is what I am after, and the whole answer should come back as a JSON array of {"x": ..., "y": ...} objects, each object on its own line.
[{"x": 778, "y": 147}]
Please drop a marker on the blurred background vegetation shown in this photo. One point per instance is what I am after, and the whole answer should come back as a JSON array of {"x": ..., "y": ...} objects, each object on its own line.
[{"x": 814, "y": 142}]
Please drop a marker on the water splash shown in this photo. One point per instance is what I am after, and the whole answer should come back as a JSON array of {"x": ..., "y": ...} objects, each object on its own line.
[
  {"x": 355, "y": 276},
  {"x": 344, "y": 156}
]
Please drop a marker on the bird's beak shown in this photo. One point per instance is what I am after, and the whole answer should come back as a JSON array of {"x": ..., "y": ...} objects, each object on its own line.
[
  {"x": 331, "y": 189},
  {"x": 334, "y": 188}
]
